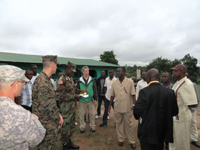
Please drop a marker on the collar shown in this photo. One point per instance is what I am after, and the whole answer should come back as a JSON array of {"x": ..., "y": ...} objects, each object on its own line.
[
  {"x": 112, "y": 78},
  {"x": 153, "y": 82},
  {"x": 45, "y": 75},
  {"x": 125, "y": 78},
  {"x": 184, "y": 78}
]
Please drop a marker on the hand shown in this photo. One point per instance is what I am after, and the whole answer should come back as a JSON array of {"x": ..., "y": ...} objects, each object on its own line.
[
  {"x": 61, "y": 120},
  {"x": 132, "y": 108},
  {"x": 109, "y": 108},
  {"x": 77, "y": 96},
  {"x": 95, "y": 101},
  {"x": 78, "y": 103}
]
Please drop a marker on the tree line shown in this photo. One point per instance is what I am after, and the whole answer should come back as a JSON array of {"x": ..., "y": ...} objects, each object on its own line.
[{"x": 162, "y": 64}]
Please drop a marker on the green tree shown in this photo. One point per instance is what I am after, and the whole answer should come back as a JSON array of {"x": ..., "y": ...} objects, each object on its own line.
[
  {"x": 109, "y": 57},
  {"x": 161, "y": 64},
  {"x": 191, "y": 64}
]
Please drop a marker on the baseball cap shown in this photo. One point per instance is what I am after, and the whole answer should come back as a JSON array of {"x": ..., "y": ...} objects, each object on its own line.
[
  {"x": 12, "y": 73},
  {"x": 180, "y": 67}
]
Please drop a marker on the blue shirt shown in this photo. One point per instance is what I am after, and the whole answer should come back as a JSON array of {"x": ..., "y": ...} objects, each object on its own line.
[{"x": 26, "y": 95}]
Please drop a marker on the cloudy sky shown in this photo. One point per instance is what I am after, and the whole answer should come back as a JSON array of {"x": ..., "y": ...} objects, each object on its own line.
[{"x": 137, "y": 30}]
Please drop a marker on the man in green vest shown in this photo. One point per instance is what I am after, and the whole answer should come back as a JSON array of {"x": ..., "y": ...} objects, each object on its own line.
[{"x": 88, "y": 88}]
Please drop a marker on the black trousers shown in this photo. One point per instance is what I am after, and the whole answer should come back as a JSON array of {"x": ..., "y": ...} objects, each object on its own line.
[{"x": 147, "y": 146}]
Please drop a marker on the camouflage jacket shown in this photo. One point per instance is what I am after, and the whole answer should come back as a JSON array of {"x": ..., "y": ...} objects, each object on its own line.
[
  {"x": 43, "y": 99},
  {"x": 66, "y": 89},
  {"x": 19, "y": 129}
]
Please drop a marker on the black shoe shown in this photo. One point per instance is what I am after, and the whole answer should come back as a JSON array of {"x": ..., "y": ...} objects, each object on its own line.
[
  {"x": 82, "y": 131},
  {"x": 92, "y": 130},
  {"x": 65, "y": 147},
  {"x": 70, "y": 145},
  {"x": 166, "y": 146},
  {"x": 120, "y": 143},
  {"x": 102, "y": 125},
  {"x": 195, "y": 143},
  {"x": 133, "y": 146}
]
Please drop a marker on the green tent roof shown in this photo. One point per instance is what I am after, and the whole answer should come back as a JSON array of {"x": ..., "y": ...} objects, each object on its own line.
[{"x": 24, "y": 58}]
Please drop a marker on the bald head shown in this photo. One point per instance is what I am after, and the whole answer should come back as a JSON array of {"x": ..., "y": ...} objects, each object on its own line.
[{"x": 152, "y": 75}]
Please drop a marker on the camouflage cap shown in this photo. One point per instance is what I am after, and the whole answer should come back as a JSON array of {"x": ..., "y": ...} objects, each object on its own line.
[
  {"x": 12, "y": 73},
  {"x": 71, "y": 65},
  {"x": 51, "y": 58}
]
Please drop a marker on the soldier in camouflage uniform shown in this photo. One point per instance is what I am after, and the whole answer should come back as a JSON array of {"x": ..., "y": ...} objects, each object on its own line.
[
  {"x": 66, "y": 92},
  {"x": 44, "y": 103},
  {"x": 19, "y": 129}
]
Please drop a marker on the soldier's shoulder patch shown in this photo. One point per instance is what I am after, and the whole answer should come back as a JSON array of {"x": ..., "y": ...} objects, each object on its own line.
[
  {"x": 60, "y": 82},
  {"x": 35, "y": 116}
]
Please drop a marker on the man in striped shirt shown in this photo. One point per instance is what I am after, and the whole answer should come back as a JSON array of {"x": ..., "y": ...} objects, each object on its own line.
[{"x": 26, "y": 95}]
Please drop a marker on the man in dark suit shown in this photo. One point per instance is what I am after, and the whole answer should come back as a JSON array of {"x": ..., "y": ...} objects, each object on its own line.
[{"x": 155, "y": 108}]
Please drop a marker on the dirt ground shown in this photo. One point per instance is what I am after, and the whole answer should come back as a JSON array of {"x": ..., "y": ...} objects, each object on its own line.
[{"x": 105, "y": 138}]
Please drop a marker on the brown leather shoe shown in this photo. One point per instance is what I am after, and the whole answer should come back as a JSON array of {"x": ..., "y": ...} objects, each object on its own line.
[
  {"x": 120, "y": 143},
  {"x": 133, "y": 146}
]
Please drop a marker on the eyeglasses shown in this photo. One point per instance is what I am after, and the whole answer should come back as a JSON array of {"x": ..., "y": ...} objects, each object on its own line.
[{"x": 17, "y": 81}]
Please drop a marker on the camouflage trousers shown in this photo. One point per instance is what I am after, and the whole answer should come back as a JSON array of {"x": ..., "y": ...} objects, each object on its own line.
[
  {"x": 68, "y": 127},
  {"x": 50, "y": 139}
]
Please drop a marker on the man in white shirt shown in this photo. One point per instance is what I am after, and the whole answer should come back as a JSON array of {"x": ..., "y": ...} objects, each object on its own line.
[
  {"x": 35, "y": 74},
  {"x": 141, "y": 84},
  {"x": 108, "y": 83}
]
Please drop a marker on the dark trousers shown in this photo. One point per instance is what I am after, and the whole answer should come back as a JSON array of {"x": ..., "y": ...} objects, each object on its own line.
[
  {"x": 100, "y": 99},
  {"x": 147, "y": 146},
  {"x": 106, "y": 105},
  {"x": 57, "y": 103},
  {"x": 27, "y": 108}
]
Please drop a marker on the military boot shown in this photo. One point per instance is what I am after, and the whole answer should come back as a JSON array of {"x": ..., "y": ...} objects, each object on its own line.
[
  {"x": 70, "y": 145},
  {"x": 65, "y": 147}
]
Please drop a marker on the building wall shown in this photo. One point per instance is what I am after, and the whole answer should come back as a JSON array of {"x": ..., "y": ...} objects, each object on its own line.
[{"x": 95, "y": 71}]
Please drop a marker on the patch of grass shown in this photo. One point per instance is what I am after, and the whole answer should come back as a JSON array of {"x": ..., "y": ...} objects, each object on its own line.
[
  {"x": 76, "y": 140},
  {"x": 109, "y": 141},
  {"x": 96, "y": 141},
  {"x": 88, "y": 134}
]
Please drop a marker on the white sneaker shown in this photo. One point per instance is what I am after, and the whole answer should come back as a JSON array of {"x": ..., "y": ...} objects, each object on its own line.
[
  {"x": 97, "y": 117},
  {"x": 108, "y": 117}
]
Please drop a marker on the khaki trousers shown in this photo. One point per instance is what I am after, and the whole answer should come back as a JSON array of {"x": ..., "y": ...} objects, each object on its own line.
[
  {"x": 124, "y": 121},
  {"x": 181, "y": 133},
  {"x": 82, "y": 111},
  {"x": 193, "y": 127}
]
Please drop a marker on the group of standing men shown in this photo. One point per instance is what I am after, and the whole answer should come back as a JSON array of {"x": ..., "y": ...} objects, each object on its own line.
[
  {"x": 163, "y": 114},
  {"x": 165, "y": 111}
]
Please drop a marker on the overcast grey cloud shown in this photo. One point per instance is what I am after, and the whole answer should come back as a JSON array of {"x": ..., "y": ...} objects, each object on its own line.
[{"x": 137, "y": 31}]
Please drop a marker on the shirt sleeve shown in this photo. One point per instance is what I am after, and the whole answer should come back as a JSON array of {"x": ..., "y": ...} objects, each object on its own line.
[
  {"x": 61, "y": 90},
  {"x": 94, "y": 90},
  {"x": 188, "y": 94},
  {"x": 196, "y": 91},
  {"x": 112, "y": 92},
  {"x": 35, "y": 132},
  {"x": 48, "y": 105},
  {"x": 105, "y": 84},
  {"x": 140, "y": 105},
  {"x": 137, "y": 91},
  {"x": 132, "y": 88}
]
